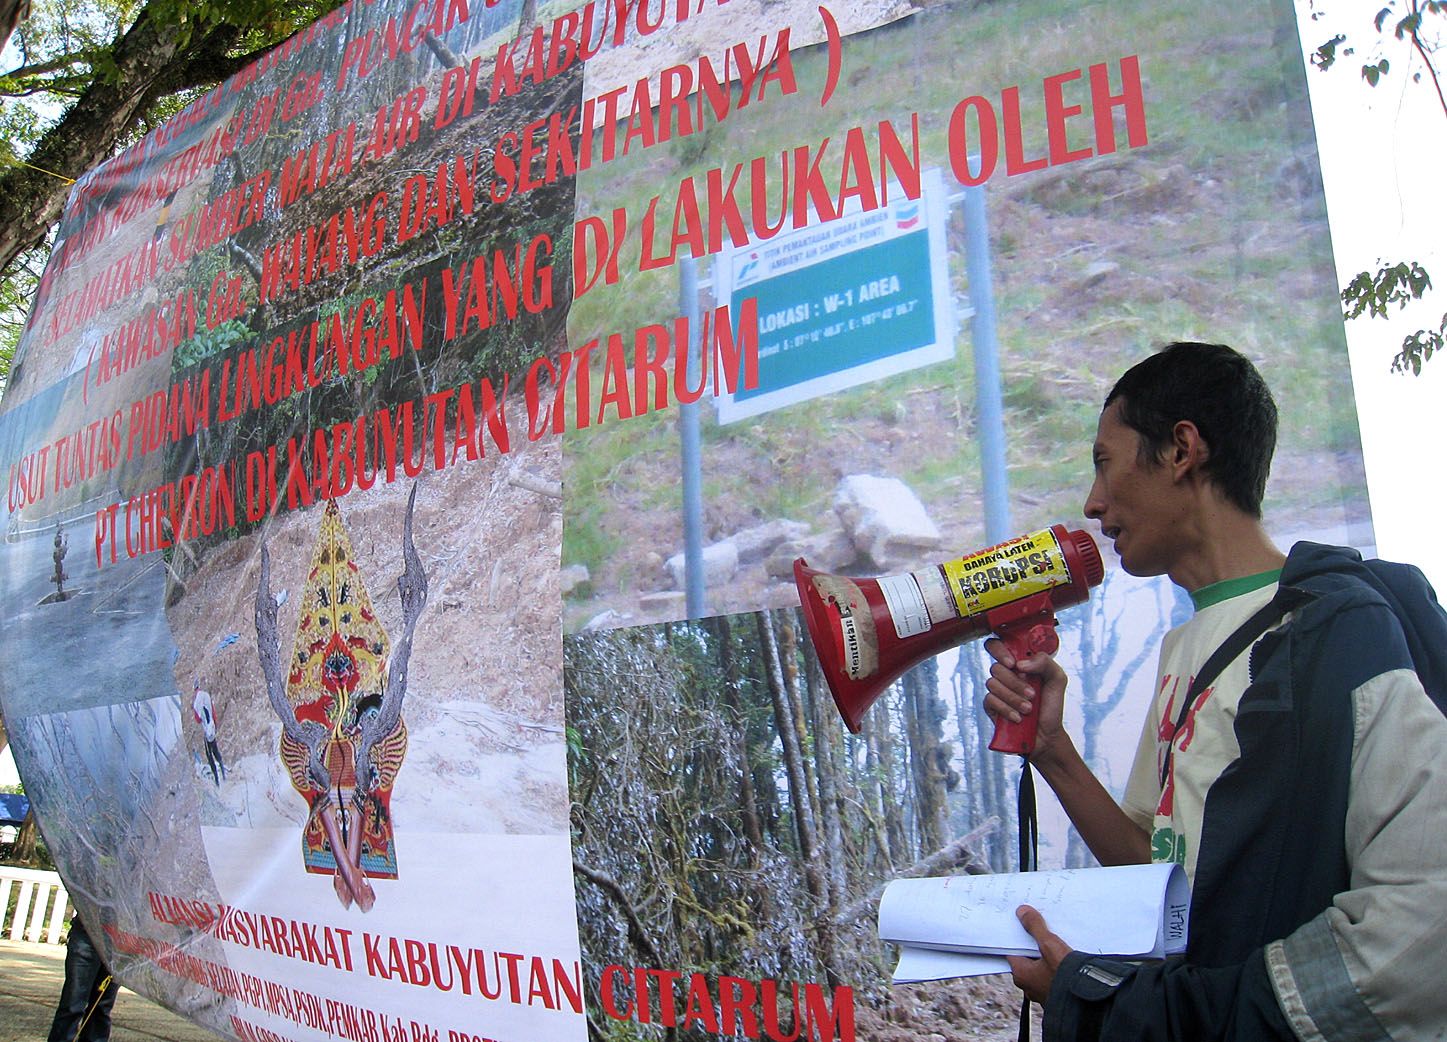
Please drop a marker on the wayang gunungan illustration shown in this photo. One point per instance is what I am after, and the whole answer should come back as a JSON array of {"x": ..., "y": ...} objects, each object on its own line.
[{"x": 340, "y": 704}]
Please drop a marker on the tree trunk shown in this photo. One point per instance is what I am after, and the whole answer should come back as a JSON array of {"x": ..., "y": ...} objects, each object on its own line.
[
  {"x": 789, "y": 659},
  {"x": 24, "y": 848},
  {"x": 799, "y": 796},
  {"x": 894, "y": 821},
  {"x": 748, "y": 813},
  {"x": 929, "y": 755},
  {"x": 828, "y": 746},
  {"x": 793, "y": 760},
  {"x": 1077, "y": 855},
  {"x": 874, "y": 797},
  {"x": 153, "y": 60},
  {"x": 31, "y": 199},
  {"x": 958, "y": 855},
  {"x": 985, "y": 768}
]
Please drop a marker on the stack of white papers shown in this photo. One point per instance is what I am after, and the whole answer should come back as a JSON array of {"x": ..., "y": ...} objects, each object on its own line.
[{"x": 964, "y": 926}]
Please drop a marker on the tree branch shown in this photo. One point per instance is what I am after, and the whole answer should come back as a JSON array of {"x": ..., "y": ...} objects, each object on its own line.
[
  {"x": 636, "y": 933},
  {"x": 1426, "y": 58},
  {"x": 150, "y": 61},
  {"x": 30, "y": 201},
  {"x": 64, "y": 61},
  {"x": 959, "y": 854}
]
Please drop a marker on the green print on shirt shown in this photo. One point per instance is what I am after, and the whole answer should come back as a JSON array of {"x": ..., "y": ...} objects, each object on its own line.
[{"x": 1168, "y": 845}]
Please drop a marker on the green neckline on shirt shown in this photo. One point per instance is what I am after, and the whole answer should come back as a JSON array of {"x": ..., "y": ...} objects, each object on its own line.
[{"x": 1228, "y": 588}]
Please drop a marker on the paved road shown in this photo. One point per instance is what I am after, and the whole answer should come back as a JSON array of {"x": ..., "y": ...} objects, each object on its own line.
[{"x": 30, "y": 979}]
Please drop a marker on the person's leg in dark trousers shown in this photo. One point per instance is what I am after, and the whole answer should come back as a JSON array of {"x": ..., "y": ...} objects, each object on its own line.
[{"x": 84, "y": 1010}]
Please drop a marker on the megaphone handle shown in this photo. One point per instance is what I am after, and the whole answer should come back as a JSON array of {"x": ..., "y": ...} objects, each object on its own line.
[{"x": 1024, "y": 640}]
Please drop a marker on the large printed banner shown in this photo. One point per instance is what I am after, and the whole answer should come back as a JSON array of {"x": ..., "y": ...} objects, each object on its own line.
[{"x": 344, "y": 648}]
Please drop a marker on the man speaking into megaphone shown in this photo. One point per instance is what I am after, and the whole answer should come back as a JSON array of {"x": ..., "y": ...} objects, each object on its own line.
[{"x": 1292, "y": 759}]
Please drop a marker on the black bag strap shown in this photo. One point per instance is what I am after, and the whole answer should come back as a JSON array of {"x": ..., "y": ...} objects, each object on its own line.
[
  {"x": 1287, "y": 599},
  {"x": 1026, "y": 815}
]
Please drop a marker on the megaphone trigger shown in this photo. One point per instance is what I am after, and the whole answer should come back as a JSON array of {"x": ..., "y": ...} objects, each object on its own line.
[{"x": 1025, "y": 637}]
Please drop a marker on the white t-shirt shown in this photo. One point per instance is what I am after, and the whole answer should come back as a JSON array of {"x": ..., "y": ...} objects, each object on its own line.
[{"x": 1206, "y": 742}]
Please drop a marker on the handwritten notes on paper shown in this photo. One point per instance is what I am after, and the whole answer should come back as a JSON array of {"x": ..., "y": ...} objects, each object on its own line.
[{"x": 962, "y": 926}]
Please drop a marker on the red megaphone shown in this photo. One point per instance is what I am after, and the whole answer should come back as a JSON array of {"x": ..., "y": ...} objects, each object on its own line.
[{"x": 868, "y": 632}]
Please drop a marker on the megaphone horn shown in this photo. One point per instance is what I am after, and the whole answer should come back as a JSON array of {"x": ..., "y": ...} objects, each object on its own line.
[{"x": 868, "y": 632}]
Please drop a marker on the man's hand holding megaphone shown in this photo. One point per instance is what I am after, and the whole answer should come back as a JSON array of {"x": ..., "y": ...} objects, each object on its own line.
[
  {"x": 1097, "y": 817},
  {"x": 1012, "y": 697}
]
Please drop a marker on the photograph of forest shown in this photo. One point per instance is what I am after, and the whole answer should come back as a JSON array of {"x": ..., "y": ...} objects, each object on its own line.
[{"x": 725, "y": 823}]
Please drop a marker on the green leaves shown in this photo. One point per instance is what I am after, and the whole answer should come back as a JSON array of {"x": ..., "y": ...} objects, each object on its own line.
[
  {"x": 1410, "y": 23},
  {"x": 1419, "y": 347},
  {"x": 1393, "y": 284},
  {"x": 17, "y": 290},
  {"x": 1325, "y": 55},
  {"x": 1370, "y": 294},
  {"x": 84, "y": 67},
  {"x": 1398, "y": 284}
]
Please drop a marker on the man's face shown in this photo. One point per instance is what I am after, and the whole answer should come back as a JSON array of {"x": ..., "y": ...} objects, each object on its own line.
[{"x": 1137, "y": 503}]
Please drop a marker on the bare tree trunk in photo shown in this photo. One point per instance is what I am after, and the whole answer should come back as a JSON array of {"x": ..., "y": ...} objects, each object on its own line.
[
  {"x": 723, "y": 633},
  {"x": 890, "y": 795},
  {"x": 799, "y": 797},
  {"x": 788, "y": 657},
  {"x": 793, "y": 760},
  {"x": 1100, "y": 648},
  {"x": 929, "y": 755},
  {"x": 1077, "y": 854},
  {"x": 873, "y": 797},
  {"x": 962, "y": 682},
  {"x": 828, "y": 747}
]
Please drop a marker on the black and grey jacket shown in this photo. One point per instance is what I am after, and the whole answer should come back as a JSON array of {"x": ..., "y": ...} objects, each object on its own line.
[{"x": 1320, "y": 903}]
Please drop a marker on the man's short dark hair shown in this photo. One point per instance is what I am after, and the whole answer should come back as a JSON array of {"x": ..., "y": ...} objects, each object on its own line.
[{"x": 1218, "y": 390}]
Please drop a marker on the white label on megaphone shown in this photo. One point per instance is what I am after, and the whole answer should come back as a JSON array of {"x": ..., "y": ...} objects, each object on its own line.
[
  {"x": 905, "y": 603},
  {"x": 853, "y": 647}
]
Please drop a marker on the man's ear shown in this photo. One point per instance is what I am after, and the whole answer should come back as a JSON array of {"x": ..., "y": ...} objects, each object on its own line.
[{"x": 1189, "y": 451}]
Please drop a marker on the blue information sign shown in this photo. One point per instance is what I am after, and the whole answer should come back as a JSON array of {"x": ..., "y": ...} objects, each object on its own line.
[{"x": 844, "y": 302}]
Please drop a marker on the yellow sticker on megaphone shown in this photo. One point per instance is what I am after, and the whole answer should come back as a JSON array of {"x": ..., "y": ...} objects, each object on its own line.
[{"x": 1002, "y": 574}]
